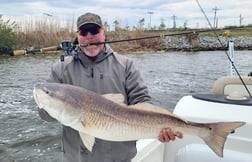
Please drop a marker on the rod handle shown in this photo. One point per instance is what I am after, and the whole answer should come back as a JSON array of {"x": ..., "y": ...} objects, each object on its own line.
[
  {"x": 18, "y": 52},
  {"x": 53, "y": 48}
]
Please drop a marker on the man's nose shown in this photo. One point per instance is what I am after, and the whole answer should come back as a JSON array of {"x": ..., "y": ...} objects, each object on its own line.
[{"x": 89, "y": 35}]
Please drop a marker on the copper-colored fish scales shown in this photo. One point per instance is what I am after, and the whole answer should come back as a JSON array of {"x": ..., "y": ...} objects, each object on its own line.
[{"x": 96, "y": 116}]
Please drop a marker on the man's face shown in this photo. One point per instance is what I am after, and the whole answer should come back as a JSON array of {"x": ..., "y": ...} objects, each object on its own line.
[{"x": 91, "y": 33}]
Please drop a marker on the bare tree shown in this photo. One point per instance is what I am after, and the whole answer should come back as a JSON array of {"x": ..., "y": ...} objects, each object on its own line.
[
  {"x": 106, "y": 25},
  {"x": 116, "y": 24},
  {"x": 141, "y": 23},
  {"x": 162, "y": 24}
]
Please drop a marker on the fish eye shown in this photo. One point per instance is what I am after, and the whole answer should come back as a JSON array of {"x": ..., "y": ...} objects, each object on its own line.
[{"x": 46, "y": 91}]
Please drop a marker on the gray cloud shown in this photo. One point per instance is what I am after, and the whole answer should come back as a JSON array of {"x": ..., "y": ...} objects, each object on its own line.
[{"x": 130, "y": 12}]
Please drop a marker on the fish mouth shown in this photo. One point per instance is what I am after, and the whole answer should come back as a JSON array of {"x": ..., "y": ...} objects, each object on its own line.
[{"x": 36, "y": 99}]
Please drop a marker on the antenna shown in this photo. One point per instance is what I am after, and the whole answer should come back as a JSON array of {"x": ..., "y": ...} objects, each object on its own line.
[
  {"x": 241, "y": 18},
  {"x": 215, "y": 18},
  {"x": 174, "y": 21},
  {"x": 150, "y": 18}
]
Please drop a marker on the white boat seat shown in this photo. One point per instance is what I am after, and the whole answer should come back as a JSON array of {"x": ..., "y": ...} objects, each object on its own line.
[{"x": 230, "y": 84}]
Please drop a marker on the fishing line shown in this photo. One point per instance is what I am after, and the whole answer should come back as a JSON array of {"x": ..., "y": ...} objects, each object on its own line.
[{"x": 230, "y": 60}]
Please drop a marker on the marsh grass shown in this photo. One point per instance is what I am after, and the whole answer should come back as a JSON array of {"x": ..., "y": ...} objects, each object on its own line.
[
  {"x": 245, "y": 31},
  {"x": 39, "y": 32},
  {"x": 42, "y": 32}
]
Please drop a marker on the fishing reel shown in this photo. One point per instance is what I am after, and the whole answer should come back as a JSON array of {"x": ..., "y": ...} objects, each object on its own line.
[{"x": 68, "y": 47}]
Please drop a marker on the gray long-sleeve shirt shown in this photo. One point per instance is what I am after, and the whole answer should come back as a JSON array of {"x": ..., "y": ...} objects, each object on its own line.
[{"x": 109, "y": 73}]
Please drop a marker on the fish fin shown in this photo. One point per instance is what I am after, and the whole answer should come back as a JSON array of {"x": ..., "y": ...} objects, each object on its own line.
[
  {"x": 87, "y": 140},
  {"x": 153, "y": 108},
  {"x": 150, "y": 107},
  {"x": 218, "y": 134},
  {"x": 115, "y": 97}
]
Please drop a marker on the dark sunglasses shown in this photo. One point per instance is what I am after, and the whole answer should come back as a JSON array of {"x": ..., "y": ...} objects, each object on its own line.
[{"x": 92, "y": 30}]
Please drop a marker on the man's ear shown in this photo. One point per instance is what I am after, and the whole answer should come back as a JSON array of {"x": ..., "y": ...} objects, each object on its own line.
[{"x": 104, "y": 32}]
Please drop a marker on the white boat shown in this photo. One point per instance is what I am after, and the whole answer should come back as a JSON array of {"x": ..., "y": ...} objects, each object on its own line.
[{"x": 228, "y": 101}]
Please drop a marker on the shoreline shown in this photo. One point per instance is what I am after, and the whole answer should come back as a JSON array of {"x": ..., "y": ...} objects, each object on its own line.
[
  {"x": 206, "y": 43},
  {"x": 183, "y": 44}
]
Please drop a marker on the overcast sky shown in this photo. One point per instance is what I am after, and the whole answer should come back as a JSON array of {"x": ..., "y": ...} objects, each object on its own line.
[{"x": 129, "y": 12}]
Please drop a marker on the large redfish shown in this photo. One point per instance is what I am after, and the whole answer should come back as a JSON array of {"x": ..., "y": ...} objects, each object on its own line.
[{"x": 96, "y": 116}]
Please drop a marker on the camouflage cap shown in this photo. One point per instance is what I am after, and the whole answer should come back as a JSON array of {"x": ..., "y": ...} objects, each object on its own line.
[{"x": 89, "y": 18}]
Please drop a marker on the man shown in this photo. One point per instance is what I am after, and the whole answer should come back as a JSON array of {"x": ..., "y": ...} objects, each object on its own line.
[{"x": 99, "y": 69}]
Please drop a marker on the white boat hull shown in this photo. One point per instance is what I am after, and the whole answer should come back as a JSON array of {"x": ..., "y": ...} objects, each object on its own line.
[{"x": 237, "y": 145}]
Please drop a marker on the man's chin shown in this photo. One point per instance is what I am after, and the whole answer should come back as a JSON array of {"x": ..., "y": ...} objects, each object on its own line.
[{"x": 92, "y": 52}]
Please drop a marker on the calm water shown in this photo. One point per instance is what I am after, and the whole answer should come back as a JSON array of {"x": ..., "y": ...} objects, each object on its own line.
[{"x": 25, "y": 137}]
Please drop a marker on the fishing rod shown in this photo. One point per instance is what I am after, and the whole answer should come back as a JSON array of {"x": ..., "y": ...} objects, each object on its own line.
[
  {"x": 41, "y": 50},
  {"x": 230, "y": 60},
  {"x": 156, "y": 36},
  {"x": 65, "y": 45},
  {"x": 68, "y": 47}
]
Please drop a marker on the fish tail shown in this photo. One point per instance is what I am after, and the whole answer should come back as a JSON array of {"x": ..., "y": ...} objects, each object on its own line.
[{"x": 218, "y": 134}]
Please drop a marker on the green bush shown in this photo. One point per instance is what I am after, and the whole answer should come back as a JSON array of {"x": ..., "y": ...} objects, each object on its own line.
[{"x": 7, "y": 35}]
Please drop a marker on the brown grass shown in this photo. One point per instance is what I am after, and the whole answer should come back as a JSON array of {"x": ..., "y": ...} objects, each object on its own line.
[
  {"x": 42, "y": 32},
  {"x": 154, "y": 44}
]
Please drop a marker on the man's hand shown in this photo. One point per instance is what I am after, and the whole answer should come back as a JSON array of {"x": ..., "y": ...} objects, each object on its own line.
[{"x": 166, "y": 135}]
